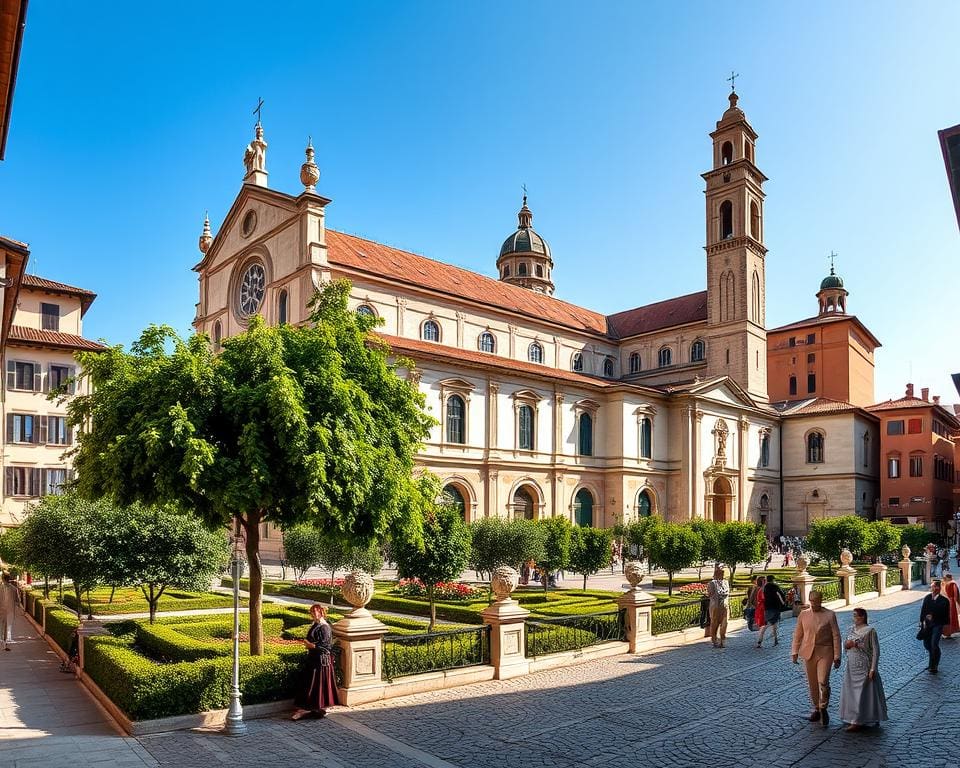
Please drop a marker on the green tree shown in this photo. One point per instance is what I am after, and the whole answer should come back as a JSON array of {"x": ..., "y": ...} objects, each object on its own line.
[
  {"x": 11, "y": 547},
  {"x": 556, "y": 547},
  {"x": 338, "y": 553},
  {"x": 638, "y": 534},
  {"x": 709, "y": 533},
  {"x": 288, "y": 424},
  {"x": 440, "y": 554},
  {"x": 741, "y": 542},
  {"x": 159, "y": 548},
  {"x": 882, "y": 538},
  {"x": 303, "y": 546},
  {"x": 830, "y": 535},
  {"x": 673, "y": 547},
  {"x": 590, "y": 550},
  {"x": 916, "y": 537},
  {"x": 487, "y": 549}
]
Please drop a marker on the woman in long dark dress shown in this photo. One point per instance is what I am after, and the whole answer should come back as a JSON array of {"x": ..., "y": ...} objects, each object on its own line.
[{"x": 318, "y": 687}]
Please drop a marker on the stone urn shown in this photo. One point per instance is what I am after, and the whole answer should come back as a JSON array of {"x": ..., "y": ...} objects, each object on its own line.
[
  {"x": 802, "y": 564},
  {"x": 905, "y": 551},
  {"x": 503, "y": 581},
  {"x": 634, "y": 573},
  {"x": 846, "y": 557},
  {"x": 357, "y": 590}
]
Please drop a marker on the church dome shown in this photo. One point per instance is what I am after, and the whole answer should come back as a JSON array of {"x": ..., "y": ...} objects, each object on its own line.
[
  {"x": 525, "y": 239},
  {"x": 832, "y": 280}
]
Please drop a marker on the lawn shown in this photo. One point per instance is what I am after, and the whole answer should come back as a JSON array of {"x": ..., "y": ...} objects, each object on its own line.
[{"x": 131, "y": 600}]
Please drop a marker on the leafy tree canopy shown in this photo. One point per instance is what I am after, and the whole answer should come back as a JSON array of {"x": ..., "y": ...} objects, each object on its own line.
[
  {"x": 590, "y": 550},
  {"x": 741, "y": 542},
  {"x": 673, "y": 547},
  {"x": 556, "y": 546}
]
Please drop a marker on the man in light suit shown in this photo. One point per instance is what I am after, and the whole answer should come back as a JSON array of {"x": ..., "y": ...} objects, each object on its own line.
[{"x": 816, "y": 640}]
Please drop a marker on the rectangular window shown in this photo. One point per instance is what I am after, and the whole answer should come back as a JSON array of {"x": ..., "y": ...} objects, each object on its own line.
[
  {"x": 895, "y": 427},
  {"x": 22, "y": 481},
  {"x": 765, "y": 451},
  {"x": 792, "y": 342},
  {"x": 893, "y": 467},
  {"x": 21, "y": 428},
  {"x": 60, "y": 377},
  {"x": 914, "y": 426},
  {"x": 23, "y": 376},
  {"x": 50, "y": 317},
  {"x": 811, "y": 383},
  {"x": 57, "y": 431},
  {"x": 916, "y": 466},
  {"x": 811, "y": 358},
  {"x": 793, "y": 385},
  {"x": 53, "y": 481},
  {"x": 811, "y": 338},
  {"x": 893, "y": 501}
]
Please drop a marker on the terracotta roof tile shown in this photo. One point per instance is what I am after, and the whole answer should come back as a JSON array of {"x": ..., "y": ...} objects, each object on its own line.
[
  {"x": 691, "y": 308},
  {"x": 415, "y": 348},
  {"x": 381, "y": 260},
  {"x": 825, "y": 320},
  {"x": 817, "y": 405},
  {"x": 35, "y": 338},
  {"x": 33, "y": 281}
]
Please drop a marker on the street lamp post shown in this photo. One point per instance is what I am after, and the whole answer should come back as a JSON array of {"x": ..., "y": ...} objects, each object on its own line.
[{"x": 234, "y": 725}]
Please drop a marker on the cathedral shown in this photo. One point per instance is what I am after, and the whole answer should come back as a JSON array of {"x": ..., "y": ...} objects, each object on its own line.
[{"x": 545, "y": 408}]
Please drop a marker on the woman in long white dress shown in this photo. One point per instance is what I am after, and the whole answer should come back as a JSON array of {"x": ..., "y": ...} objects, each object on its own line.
[{"x": 862, "y": 701}]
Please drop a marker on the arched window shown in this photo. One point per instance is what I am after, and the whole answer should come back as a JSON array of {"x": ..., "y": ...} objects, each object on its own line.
[
  {"x": 793, "y": 385},
  {"x": 727, "y": 296},
  {"x": 765, "y": 450},
  {"x": 583, "y": 508},
  {"x": 282, "y": 308},
  {"x": 453, "y": 497},
  {"x": 665, "y": 357},
  {"x": 456, "y": 420},
  {"x": 522, "y": 270},
  {"x": 577, "y": 362},
  {"x": 217, "y": 335},
  {"x": 893, "y": 466},
  {"x": 635, "y": 362},
  {"x": 608, "y": 368},
  {"x": 585, "y": 435},
  {"x": 755, "y": 220},
  {"x": 506, "y": 270},
  {"x": 866, "y": 449},
  {"x": 523, "y": 504},
  {"x": 698, "y": 351},
  {"x": 525, "y": 426},
  {"x": 366, "y": 310},
  {"x": 726, "y": 220},
  {"x": 814, "y": 448},
  {"x": 644, "y": 505},
  {"x": 487, "y": 342},
  {"x": 539, "y": 270},
  {"x": 430, "y": 331},
  {"x": 535, "y": 352},
  {"x": 726, "y": 153},
  {"x": 646, "y": 438},
  {"x": 755, "y": 299}
]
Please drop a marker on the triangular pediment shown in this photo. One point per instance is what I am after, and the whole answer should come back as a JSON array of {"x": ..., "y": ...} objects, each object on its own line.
[{"x": 723, "y": 389}]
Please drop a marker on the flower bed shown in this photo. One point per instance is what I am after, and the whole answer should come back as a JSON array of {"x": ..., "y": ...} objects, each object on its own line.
[{"x": 445, "y": 590}]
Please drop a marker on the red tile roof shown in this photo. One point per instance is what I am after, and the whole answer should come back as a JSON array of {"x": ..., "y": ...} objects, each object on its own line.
[
  {"x": 383, "y": 261},
  {"x": 42, "y": 284},
  {"x": 915, "y": 402},
  {"x": 826, "y": 320},
  {"x": 416, "y": 348},
  {"x": 682, "y": 310},
  {"x": 818, "y": 405},
  {"x": 23, "y": 336}
]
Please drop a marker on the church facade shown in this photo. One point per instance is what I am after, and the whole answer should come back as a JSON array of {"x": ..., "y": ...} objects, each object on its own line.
[{"x": 545, "y": 408}]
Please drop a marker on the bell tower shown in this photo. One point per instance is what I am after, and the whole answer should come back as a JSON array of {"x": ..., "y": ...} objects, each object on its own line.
[{"x": 736, "y": 280}]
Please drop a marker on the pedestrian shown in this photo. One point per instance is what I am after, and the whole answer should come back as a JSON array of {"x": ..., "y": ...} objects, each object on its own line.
[
  {"x": 774, "y": 603},
  {"x": 816, "y": 640},
  {"x": 317, "y": 689},
  {"x": 9, "y": 599},
  {"x": 755, "y": 605},
  {"x": 934, "y": 616},
  {"x": 950, "y": 591},
  {"x": 718, "y": 591},
  {"x": 862, "y": 700}
]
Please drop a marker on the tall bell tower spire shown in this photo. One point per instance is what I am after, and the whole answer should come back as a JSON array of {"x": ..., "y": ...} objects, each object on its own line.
[{"x": 736, "y": 276}]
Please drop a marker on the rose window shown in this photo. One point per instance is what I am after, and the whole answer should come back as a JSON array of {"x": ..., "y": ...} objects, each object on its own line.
[{"x": 252, "y": 287}]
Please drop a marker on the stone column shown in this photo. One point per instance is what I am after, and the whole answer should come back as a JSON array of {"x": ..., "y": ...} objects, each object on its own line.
[
  {"x": 638, "y": 606},
  {"x": 507, "y": 626},
  {"x": 802, "y": 582},
  {"x": 847, "y": 574},
  {"x": 360, "y": 637},
  {"x": 879, "y": 572},
  {"x": 743, "y": 434},
  {"x": 906, "y": 568}
]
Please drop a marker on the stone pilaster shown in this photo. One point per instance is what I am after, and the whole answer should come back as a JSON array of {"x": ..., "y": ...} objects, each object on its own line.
[
  {"x": 638, "y": 607},
  {"x": 847, "y": 576},
  {"x": 906, "y": 575},
  {"x": 879, "y": 573},
  {"x": 506, "y": 619}
]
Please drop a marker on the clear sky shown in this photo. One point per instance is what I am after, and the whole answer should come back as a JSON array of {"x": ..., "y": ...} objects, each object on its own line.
[{"x": 130, "y": 120}]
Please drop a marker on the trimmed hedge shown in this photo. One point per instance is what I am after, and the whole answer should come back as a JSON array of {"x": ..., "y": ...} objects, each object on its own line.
[
  {"x": 129, "y": 600},
  {"x": 60, "y": 626},
  {"x": 145, "y": 689}
]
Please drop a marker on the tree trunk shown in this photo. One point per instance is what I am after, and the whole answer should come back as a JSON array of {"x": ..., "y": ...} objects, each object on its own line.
[
  {"x": 78, "y": 594},
  {"x": 252, "y": 528},
  {"x": 670, "y": 583},
  {"x": 584, "y": 582},
  {"x": 433, "y": 608},
  {"x": 733, "y": 570},
  {"x": 152, "y": 602},
  {"x": 113, "y": 589},
  {"x": 89, "y": 605},
  {"x": 333, "y": 577}
]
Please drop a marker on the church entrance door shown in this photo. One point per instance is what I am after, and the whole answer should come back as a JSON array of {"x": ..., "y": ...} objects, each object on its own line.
[{"x": 721, "y": 500}]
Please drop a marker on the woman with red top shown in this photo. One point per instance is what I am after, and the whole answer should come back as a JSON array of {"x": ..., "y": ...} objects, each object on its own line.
[{"x": 952, "y": 593}]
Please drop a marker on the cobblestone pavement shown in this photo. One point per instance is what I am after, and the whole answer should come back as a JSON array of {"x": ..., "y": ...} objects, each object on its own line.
[{"x": 685, "y": 706}]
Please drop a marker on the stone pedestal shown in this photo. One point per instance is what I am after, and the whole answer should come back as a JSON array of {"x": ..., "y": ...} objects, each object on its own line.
[
  {"x": 87, "y": 628},
  {"x": 507, "y": 638},
  {"x": 360, "y": 637},
  {"x": 906, "y": 567},
  {"x": 847, "y": 576},
  {"x": 638, "y": 607},
  {"x": 802, "y": 583},
  {"x": 879, "y": 572},
  {"x": 926, "y": 570}
]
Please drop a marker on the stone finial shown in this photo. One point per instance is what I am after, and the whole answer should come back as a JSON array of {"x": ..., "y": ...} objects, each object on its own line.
[
  {"x": 206, "y": 237},
  {"x": 503, "y": 581},
  {"x": 846, "y": 557},
  {"x": 905, "y": 551},
  {"x": 309, "y": 172},
  {"x": 802, "y": 564},
  {"x": 357, "y": 590},
  {"x": 634, "y": 573}
]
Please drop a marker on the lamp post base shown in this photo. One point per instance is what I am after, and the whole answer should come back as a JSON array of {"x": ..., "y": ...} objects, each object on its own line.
[{"x": 234, "y": 725}]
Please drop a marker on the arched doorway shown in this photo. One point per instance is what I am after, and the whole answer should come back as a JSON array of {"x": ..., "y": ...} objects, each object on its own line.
[
  {"x": 583, "y": 508},
  {"x": 644, "y": 504},
  {"x": 523, "y": 504},
  {"x": 721, "y": 500},
  {"x": 453, "y": 496}
]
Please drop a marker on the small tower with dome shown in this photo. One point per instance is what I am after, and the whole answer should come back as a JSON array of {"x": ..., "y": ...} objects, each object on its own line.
[
  {"x": 525, "y": 256},
  {"x": 832, "y": 295}
]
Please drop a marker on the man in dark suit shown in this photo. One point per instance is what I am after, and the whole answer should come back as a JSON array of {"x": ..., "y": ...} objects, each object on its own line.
[{"x": 934, "y": 615}]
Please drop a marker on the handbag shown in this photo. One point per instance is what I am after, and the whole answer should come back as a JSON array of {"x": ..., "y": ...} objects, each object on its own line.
[{"x": 924, "y": 632}]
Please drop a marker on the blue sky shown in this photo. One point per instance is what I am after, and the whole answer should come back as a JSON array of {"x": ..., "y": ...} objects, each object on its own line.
[{"x": 130, "y": 120}]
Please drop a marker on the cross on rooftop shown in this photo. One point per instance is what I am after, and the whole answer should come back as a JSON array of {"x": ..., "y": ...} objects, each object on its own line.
[
  {"x": 733, "y": 80},
  {"x": 833, "y": 255},
  {"x": 257, "y": 110}
]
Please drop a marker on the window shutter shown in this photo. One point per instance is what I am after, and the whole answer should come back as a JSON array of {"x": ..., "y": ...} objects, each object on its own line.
[
  {"x": 41, "y": 434},
  {"x": 11, "y": 374},
  {"x": 8, "y": 480},
  {"x": 71, "y": 372},
  {"x": 69, "y": 430},
  {"x": 48, "y": 379},
  {"x": 33, "y": 481},
  {"x": 37, "y": 377},
  {"x": 9, "y": 428},
  {"x": 42, "y": 490}
]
